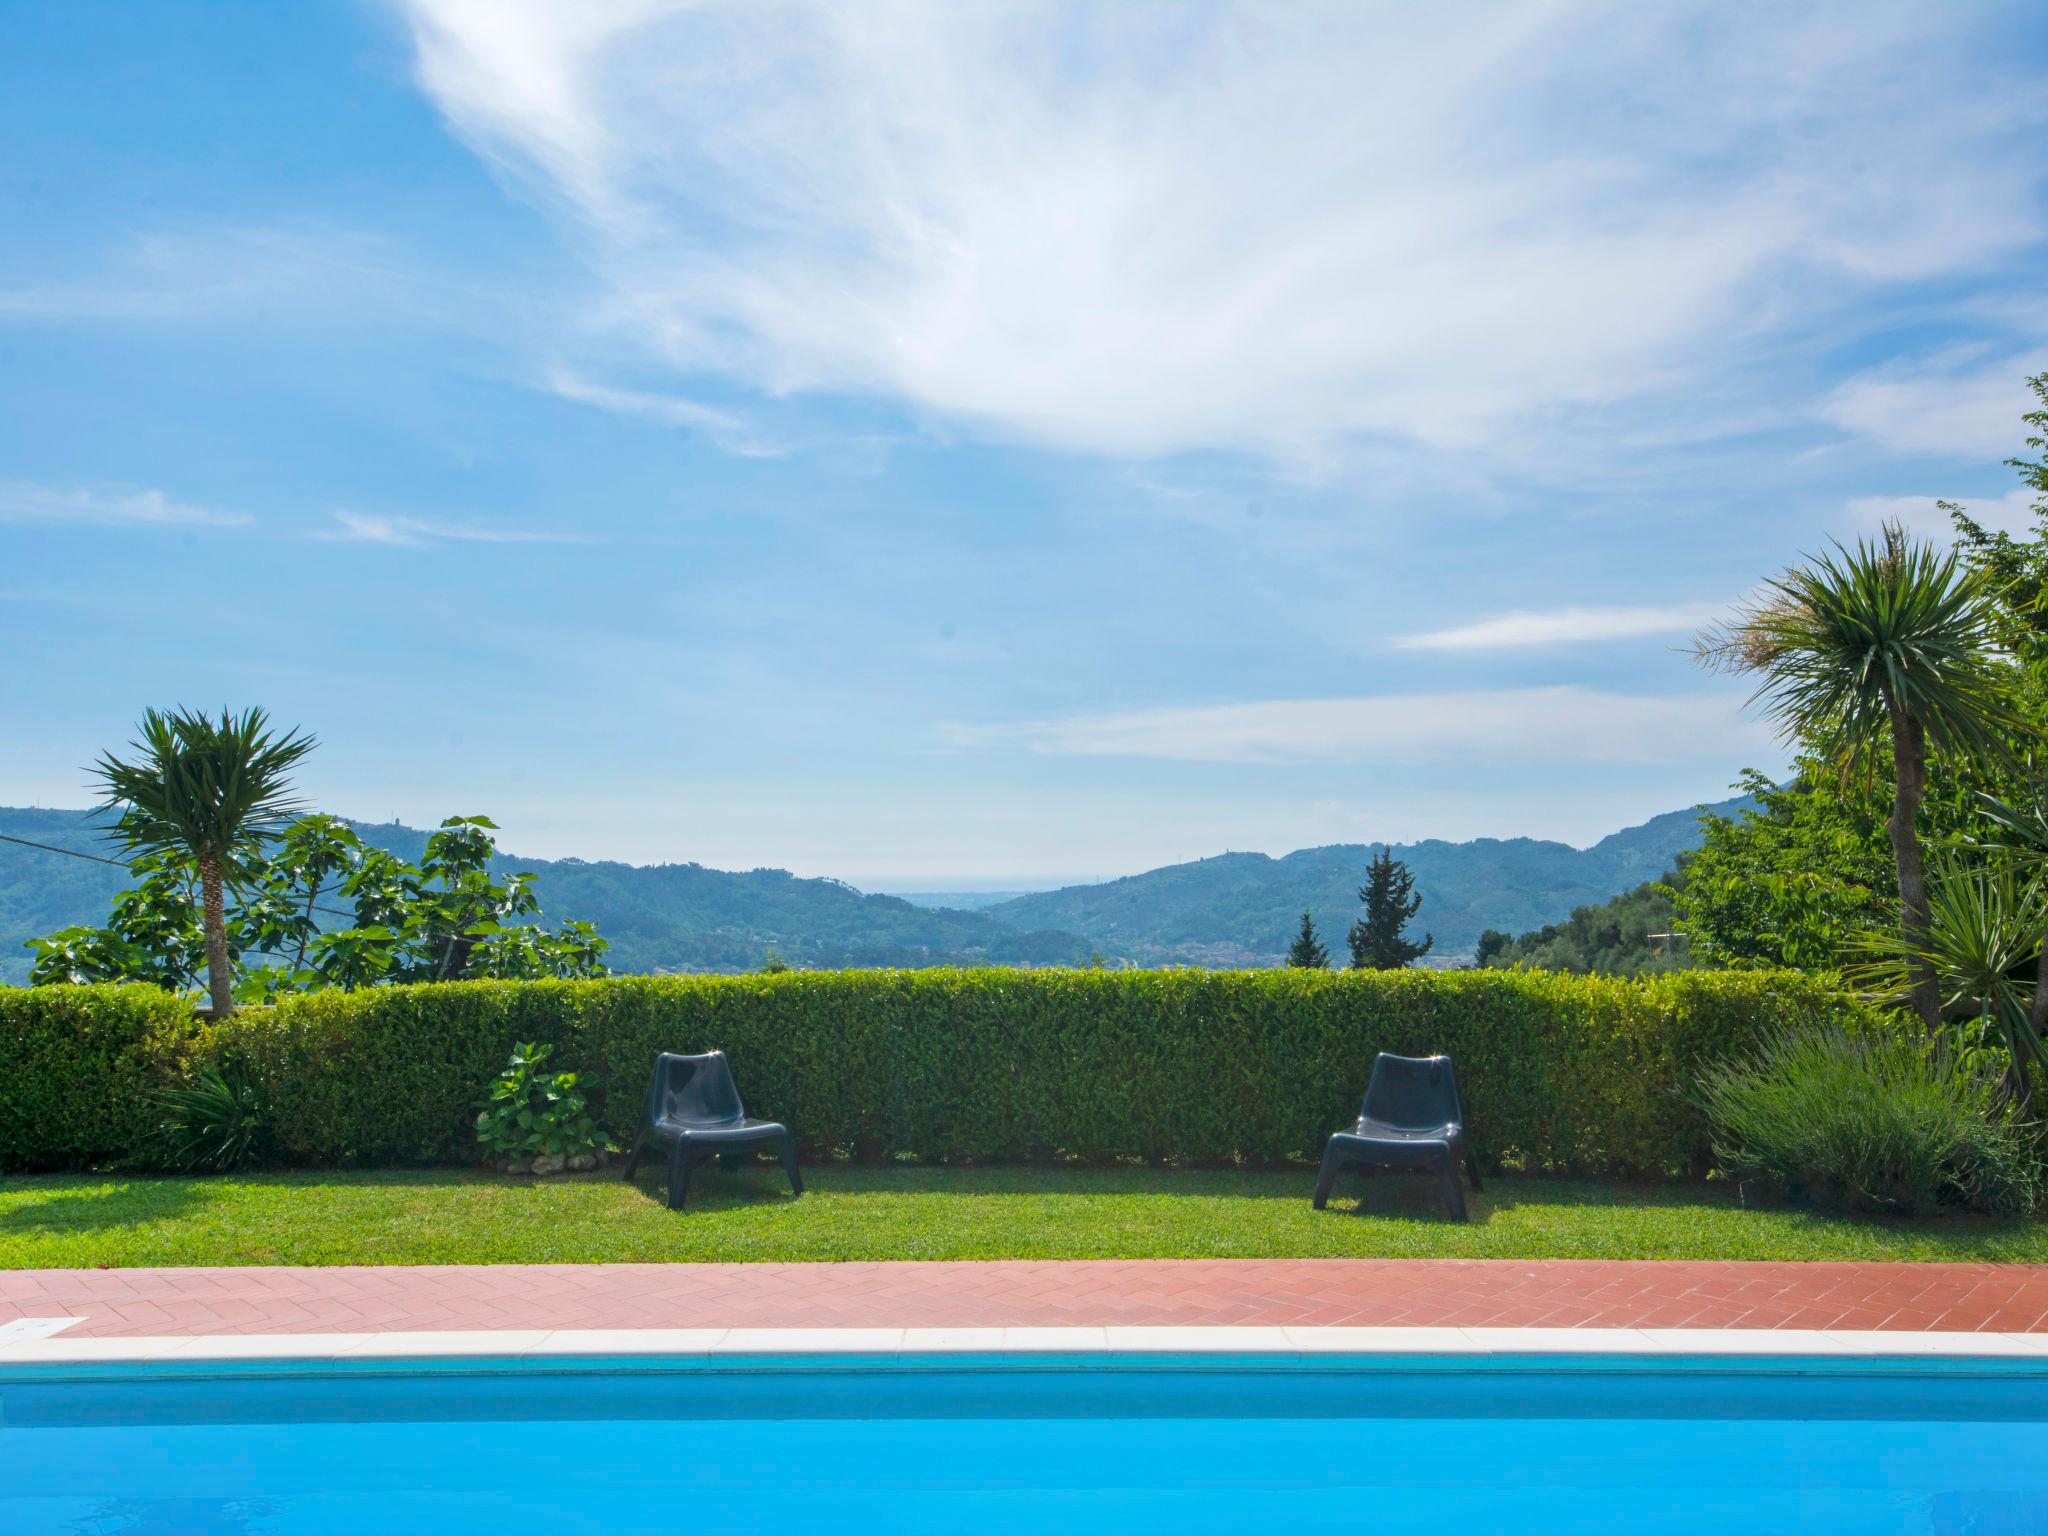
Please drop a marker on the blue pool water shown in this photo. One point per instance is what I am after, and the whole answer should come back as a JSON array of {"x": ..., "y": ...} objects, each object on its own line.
[{"x": 615, "y": 1447}]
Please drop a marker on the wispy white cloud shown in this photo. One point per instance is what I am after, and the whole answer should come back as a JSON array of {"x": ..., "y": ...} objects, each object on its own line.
[
  {"x": 408, "y": 532},
  {"x": 1148, "y": 229},
  {"x": 730, "y": 431},
  {"x": 107, "y": 507},
  {"x": 202, "y": 272},
  {"x": 1966, "y": 404},
  {"x": 1555, "y": 724},
  {"x": 2011, "y": 513},
  {"x": 1561, "y": 626}
]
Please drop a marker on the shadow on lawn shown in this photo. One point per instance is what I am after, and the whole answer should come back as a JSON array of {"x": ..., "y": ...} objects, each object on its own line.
[
  {"x": 131, "y": 1203},
  {"x": 713, "y": 1187}
]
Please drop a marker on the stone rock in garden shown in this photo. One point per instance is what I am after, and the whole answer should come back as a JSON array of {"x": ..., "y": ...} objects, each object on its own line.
[
  {"x": 582, "y": 1162},
  {"x": 548, "y": 1163}
]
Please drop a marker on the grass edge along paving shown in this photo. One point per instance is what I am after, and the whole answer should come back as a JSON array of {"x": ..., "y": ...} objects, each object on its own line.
[{"x": 459, "y": 1216}]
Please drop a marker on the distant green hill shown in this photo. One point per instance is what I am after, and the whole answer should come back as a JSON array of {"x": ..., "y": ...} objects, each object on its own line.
[
  {"x": 1234, "y": 909},
  {"x": 659, "y": 917},
  {"x": 1242, "y": 908}
]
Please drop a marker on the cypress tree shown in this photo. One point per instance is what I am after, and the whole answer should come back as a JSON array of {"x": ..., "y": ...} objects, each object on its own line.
[
  {"x": 1378, "y": 941},
  {"x": 1307, "y": 951}
]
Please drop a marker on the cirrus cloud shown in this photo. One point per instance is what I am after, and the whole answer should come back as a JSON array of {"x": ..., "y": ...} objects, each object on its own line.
[
  {"x": 411, "y": 532},
  {"x": 1566, "y": 723},
  {"x": 111, "y": 507},
  {"x": 1561, "y": 626},
  {"x": 1957, "y": 404},
  {"x": 1143, "y": 230}
]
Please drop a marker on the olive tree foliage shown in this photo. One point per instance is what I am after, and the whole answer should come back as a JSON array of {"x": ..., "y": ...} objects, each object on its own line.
[{"x": 318, "y": 907}]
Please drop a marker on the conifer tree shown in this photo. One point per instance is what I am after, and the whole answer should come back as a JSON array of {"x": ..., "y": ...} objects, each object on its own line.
[
  {"x": 1378, "y": 941},
  {"x": 1307, "y": 951}
]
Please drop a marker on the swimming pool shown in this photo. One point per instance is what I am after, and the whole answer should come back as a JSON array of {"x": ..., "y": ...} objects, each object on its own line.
[{"x": 1054, "y": 1443}]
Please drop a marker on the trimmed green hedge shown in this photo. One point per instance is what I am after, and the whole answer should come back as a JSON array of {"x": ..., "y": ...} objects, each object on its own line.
[
  {"x": 1564, "y": 1073},
  {"x": 76, "y": 1067}
]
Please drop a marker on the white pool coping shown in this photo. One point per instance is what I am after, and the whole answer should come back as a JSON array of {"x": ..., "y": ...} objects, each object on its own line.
[{"x": 1270, "y": 1345}]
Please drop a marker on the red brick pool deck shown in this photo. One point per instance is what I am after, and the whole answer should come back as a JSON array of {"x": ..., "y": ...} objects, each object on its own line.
[{"x": 114, "y": 1303}]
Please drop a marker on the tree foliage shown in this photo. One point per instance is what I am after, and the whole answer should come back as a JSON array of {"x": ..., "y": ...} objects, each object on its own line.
[
  {"x": 447, "y": 918},
  {"x": 1379, "y": 940},
  {"x": 1958, "y": 643},
  {"x": 1628, "y": 936},
  {"x": 1307, "y": 951},
  {"x": 208, "y": 791},
  {"x": 1890, "y": 642}
]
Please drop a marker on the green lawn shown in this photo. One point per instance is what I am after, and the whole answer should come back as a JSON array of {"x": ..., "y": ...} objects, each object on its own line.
[{"x": 462, "y": 1217}]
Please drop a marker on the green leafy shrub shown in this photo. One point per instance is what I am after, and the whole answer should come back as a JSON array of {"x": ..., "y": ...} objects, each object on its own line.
[
  {"x": 218, "y": 1121},
  {"x": 1870, "y": 1122},
  {"x": 531, "y": 1112}
]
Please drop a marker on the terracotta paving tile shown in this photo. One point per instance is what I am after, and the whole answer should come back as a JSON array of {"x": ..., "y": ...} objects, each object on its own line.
[{"x": 1377, "y": 1292}]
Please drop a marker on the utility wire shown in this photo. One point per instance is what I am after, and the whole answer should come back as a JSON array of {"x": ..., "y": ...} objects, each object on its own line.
[{"x": 8, "y": 837}]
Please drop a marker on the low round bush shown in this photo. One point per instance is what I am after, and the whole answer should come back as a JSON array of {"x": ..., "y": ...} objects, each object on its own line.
[
  {"x": 1878, "y": 1121},
  {"x": 531, "y": 1112}
]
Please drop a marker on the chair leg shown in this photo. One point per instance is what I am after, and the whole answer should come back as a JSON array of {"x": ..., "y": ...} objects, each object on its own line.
[
  {"x": 679, "y": 1161},
  {"x": 1333, "y": 1162},
  {"x": 1472, "y": 1169},
  {"x": 796, "y": 1179},
  {"x": 633, "y": 1159},
  {"x": 1454, "y": 1192}
]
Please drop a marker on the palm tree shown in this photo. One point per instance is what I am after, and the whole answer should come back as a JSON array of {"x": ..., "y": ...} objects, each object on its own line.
[
  {"x": 1891, "y": 639},
  {"x": 212, "y": 790}
]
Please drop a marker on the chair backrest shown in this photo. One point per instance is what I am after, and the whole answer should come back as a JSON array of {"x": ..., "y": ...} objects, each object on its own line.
[
  {"x": 694, "y": 1089},
  {"x": 1413, "y": 1093}
]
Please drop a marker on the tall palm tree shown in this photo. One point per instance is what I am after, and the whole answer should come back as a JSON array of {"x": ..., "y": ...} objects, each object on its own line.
[
  {"x": 212, "y": 790},
  {"x": 1891, "y": 640}
]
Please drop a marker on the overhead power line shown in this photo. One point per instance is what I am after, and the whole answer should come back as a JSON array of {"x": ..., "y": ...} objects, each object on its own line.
[{"x": 8, "y": 837}]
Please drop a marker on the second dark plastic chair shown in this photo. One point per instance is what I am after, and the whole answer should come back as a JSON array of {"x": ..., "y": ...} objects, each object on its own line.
[
  {"x": 693, "y": 1106},
  {"x": 1412, "y": 1118}
]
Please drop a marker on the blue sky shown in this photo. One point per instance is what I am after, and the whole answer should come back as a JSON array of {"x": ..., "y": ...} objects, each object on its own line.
[{"x": 982, "y": 445}]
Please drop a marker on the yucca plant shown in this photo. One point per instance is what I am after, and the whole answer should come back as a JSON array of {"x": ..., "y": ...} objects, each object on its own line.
[
  {"x": 2017, "y": 832},
  {"x": 213, "y": 790},
  {"x": 1889, "y": 642},
  {"x": 219, "y": 1121},
  {"x": 1982, "y": 939}
]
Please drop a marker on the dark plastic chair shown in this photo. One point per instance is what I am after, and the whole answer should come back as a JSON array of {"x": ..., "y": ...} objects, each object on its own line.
[
  {"x": 694, "y": 1106},
  {"x": 1412, "y": 1118}
]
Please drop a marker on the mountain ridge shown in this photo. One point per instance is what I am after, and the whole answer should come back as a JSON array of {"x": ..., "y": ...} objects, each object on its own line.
[
  {"x": 1227, "y": 909},
  {"x": 1242, "y": 908},
  {"x": 658, "y": 917}
]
